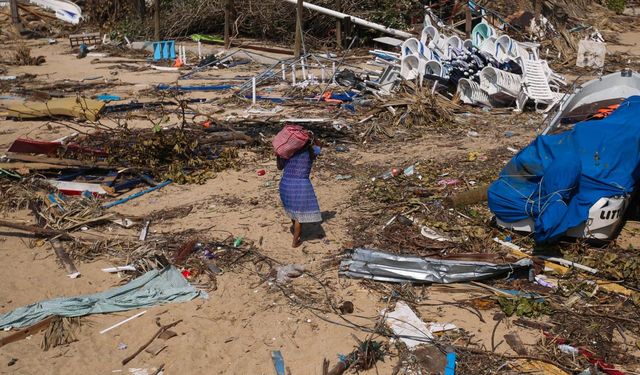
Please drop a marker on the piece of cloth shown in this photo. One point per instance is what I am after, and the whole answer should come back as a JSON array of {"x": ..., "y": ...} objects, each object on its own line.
[
  {"x": 296, "y": 192},
  {"x": 153, "y": 288},
  {"x": 557, "y": 178}
]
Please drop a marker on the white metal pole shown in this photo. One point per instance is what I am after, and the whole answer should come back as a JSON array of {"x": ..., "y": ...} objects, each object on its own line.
[
  {"x": 356, "y": 20},
  {"x": 253, "y": 90},
  {"x": 293, "y": 74},
  {"x": 304, "y": 70},
  {"x": 284, "y": 73},
  {"x": 199, "y": 50}
]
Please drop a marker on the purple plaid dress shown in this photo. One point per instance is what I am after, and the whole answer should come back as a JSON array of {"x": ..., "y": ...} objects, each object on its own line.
[{"x": 296, "y": 192}]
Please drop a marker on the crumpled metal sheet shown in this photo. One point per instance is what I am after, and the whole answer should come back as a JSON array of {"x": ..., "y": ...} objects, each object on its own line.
[{"x": 382, "y": 266}]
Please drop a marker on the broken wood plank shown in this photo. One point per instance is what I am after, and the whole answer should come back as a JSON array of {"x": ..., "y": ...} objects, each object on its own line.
[
  {"x": 59, "y": 161},
  {"x": 26, "y": 332},
  {"x": 64, "y": 258}
]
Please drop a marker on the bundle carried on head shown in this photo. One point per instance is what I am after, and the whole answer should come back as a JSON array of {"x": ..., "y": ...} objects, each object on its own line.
[{"x": 291, "y": 139}]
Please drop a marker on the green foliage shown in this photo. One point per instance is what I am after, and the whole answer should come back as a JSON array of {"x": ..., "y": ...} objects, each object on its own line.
[
  {"x": 616, "y": 5},
  {"x": 522, "y": 306}
]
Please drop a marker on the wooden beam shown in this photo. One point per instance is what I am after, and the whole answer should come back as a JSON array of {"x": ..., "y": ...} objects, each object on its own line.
[
  {"x": 26, "y": 332},
  {"x": 297, "y": 48},
  {"x": 339, "y": 26},
  {"x": 537, "y": 6},
  {"x": 15, "y": 16},
  {"x": 156, "y": 19},
  {"x": 468, "y": 21},
  {"x": 227, "y": 23}
]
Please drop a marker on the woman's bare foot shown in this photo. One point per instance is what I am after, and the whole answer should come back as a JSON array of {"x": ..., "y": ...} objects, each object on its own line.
[{"x": 297, "y": 231}]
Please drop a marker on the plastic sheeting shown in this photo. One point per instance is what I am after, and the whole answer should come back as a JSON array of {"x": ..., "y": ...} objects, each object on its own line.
[
  {"x": 382, "y": 266},
  {"x": 153, "y": 288},
  {"x": 557, "y": 178}
]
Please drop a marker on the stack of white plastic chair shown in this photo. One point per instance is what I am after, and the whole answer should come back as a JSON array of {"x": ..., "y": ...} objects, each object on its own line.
[
  {"x": 500, "y": 85},
  {"x": 471, "y": 93},
  {"x": 413, "y": 60}
]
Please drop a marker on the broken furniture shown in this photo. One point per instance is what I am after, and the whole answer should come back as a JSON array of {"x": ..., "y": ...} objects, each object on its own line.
[
  {"x": 88, "y": 39},
  {"x": 75, "y": 107}
]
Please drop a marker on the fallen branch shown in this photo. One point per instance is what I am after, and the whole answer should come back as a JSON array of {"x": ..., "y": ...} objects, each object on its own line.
[
  {"x": 37, "y": 231},
  {"x": 145, "y": 345}
]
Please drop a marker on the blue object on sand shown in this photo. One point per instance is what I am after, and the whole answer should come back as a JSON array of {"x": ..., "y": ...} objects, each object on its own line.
[
  {"x": 164, "y": 50},
  {"x": 451, "y": 364},
  {"x": 278, "y": 362}
]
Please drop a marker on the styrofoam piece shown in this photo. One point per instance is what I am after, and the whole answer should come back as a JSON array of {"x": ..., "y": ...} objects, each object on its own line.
[{"x": 405, "y": 324}]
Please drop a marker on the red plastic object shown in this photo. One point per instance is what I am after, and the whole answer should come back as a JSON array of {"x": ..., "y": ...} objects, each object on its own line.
[
  {"x": 591, "y": 357},
  {"x": 186, "y": 273},
  {"x": 261, "y": 172},
  {"x": 33, "y": 146},
  {"x": 290, "y": 140}
]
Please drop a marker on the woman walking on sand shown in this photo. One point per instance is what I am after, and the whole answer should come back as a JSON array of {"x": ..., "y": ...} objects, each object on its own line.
[{"x": 296, "y": 192}]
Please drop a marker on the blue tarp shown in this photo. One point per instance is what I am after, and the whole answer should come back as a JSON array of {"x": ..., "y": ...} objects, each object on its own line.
[
  {"x": 557, "y": 178},
  {"x": 153, "y": 288}
]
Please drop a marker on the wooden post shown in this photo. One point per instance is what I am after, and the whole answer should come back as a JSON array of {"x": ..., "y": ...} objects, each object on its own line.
[
  {"x": 339, "y": 26},
  {"x": 141, "y": 8},
  {"x": 15, "y": 16},
  {"x": 227, "y": 23},
  {"x": 298, "y": 41},
  {"x": 156, "y": 20},
  {"x": 537, "y": 6},
  {"x": 468, "y": 21}
]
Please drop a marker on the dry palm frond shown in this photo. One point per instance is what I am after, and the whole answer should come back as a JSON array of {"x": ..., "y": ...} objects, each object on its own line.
[{"x": 61, "y": 331}]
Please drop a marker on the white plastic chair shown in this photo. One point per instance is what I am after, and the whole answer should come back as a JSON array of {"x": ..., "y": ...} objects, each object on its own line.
[
  {"x": 471, "y": 93},
  {"x": 481, "y": 32},
  {"x": 431, "y": 38},
  {"x": 434, "y": 68},
  {"x": 467, "y": 44},
  {"x": 453, "y": 43},
  {"x": 506, "y": 48},
  {"x": 409, "y": 67},
  {"x": 410, "y": 46},
  {"x": 535, "y": 86},
  {"x": 489, "y": 46}
]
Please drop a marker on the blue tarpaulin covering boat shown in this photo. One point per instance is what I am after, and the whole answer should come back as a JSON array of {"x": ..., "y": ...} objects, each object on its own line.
[{"x": 557, "y": 179}]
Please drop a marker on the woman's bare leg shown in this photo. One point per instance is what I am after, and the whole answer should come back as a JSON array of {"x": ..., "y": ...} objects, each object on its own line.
[{"x": 297, "y": 231}]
